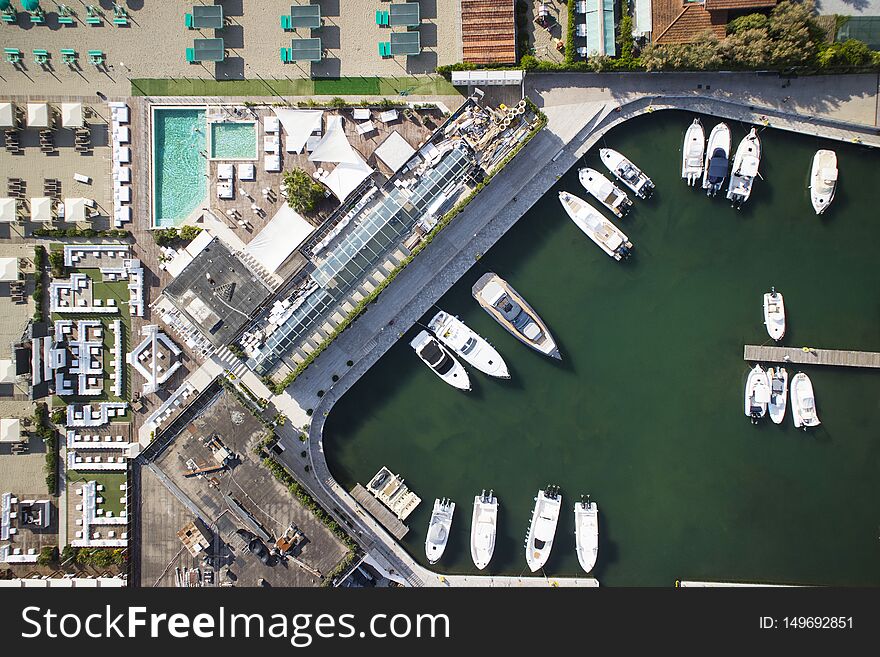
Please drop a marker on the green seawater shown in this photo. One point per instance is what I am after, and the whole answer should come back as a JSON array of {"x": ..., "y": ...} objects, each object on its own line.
[{"x": 645, "y": 411}]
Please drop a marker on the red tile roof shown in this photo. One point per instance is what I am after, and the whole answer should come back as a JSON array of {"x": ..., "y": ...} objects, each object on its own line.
[
  {"x": 714, "y": 5},
  {"x": 674, "y": 22},
  {"x": 488, "y": 31}
]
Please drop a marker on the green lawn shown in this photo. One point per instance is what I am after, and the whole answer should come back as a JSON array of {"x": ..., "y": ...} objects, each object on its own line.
[
  {"x": 111, "y": 493},
  {"x": 424, "y": 85}
]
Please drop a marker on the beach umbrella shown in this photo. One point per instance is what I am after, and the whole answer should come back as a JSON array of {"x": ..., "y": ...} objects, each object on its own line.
[
  {"x": 4, "y": 5},
  {"x": 30, "y": 5}
]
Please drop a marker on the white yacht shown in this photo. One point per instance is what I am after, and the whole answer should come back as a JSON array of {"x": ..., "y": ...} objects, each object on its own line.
[
  {"x": 717, "y": 159},
  {"x": 609, "y": 237},
  {"x": 438, "y": 529},
  {"x": 586, "y": 532},
  {"x": 823, "y": 180},
  {"x": 627, "y": 172},
  {"x": 605, "y": 191},
  {"x": 778, "y": 393},
  {"x": 757, "y": 394},
  {"x": 774, "y": 314},
  {"x": 440, "y": 360},
  {"x": 745, "y": 168},
  {"x": 472, "y": 348},
  {"x": 803, "y": 402},
  {"x": 509, "y": 309},
  {"x": 483, "y": 527},
  {"x": 692, "y": 153},
  {"x": 542, "y": 528}
]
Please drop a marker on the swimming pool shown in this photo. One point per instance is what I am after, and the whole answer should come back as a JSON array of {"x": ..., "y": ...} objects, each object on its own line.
[
  {"x": 179, "y": 168},
  {"x": 233, "y": 140}
]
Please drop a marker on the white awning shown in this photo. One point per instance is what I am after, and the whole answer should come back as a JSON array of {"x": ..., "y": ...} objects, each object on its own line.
[
  {"x": 41, "y": 209},
  {"x": 395, "y": 151},
  {"x": 345, "y": 178},
  {"x": 8, "y": 207},
  {"x": 281, "y": 237},
  {"x": 38, "y": 115},
  {"x": 8, "y": 269},
  {"x": 7, "y": 115},
  {"x": 75, "y": 210},
  {"x": 7, "y": 371},
  {"x": 10, "y": 430},
  {"x": 299, "y": 126},
  {"x": 334, "y": 147},
  {"x": 72, "y": 115}
]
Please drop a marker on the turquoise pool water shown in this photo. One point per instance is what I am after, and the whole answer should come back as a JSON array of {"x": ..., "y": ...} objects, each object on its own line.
[
  {"x": 233, "y": 140},
  {"x": 179, "y": 168}
]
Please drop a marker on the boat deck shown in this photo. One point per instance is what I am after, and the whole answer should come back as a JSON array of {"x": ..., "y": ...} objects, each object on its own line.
[
  {"x": 811, "y": 356},
  {"x": 380, "y": 512}
]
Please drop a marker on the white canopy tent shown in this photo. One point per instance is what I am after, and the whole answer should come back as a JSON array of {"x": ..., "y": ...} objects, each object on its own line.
[
  {"x": 8, "y": 208},
  {"x": 38, "y": 115},
  {"x": 10, "y": 430},
  {"x": 334, "y": 147},
  {"x": 72, "y": 115},
  {"x": 345, "y": 178},
  {"x": 41, "y": 209},
  {"x": 299, "y": 126},
  {"x": 7, "y": 371},
  {"x": 395, "y": 151},
  {"x": 75, "y": 210},
  {"x": 8, "y": 269},
  {"x": 281, "y": 237},
  {"x": 7, "y": 115}
]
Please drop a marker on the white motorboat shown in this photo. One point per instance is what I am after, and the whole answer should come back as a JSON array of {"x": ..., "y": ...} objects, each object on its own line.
[
  {"x": 627, "y": 172},
  {"x": 605, "y": 191},
  {"x": 803, "y": 402},
  {"x": 823, "y": 180},
  {"x": 745, "y": 168},
  {"x": 509, "y": 309},
  {"x": 757, "y": 393},
  {"x": 717, "y": 159},
  {"x": 778, "y": 393},
  {"x": 586, "y": 533},
  {"x": 483, "y": 528},
  {"x": 609, "y": 237},
  {"x": 472, "y": 348},
  {"x": 774, "y": 314},
  {"x": 440, "y": 360},
  {"x": 692, "y": 153},
  {"x": 438, "y": 529},
  {"x": 542, "y": 528}
]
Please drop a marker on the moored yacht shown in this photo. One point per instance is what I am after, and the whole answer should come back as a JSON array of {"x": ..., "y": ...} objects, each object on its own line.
[
  {"x": 483, "y": 528},
  {"x": 542, "y": 528},
  {"x": 605, "y": 191},
  {"x": 774, "y": 314},
  {"x": 609, "y": 237},
  {"x": 438, "y": 529},
  {"x": 757, "y": 394},
  {"x": 778, "y": 393},
  {"x": 627, "y": 172},
  {"x": 717, "y": 159},
  {"x": 473, "y": 348},
  {"x": 440, "y": 360},
  {"x": 745, "y": 168},
  {"x": 692, "y": 153},
  {"x": 509, "y": 309},
  {"x": 803, "y": 402},
  {"x": 823, "y": 180},
  {"x": 586, "y": 532}
]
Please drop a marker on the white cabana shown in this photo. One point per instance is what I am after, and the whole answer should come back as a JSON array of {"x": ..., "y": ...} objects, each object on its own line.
[
  {"x": 7, "y": 115},
  {"x": 345, "y": 178},
  {"x": 281, "y": 237},
  {"x": 10, "y": 430},
  {"x": 299, "y": 126},
  {"x": 395, "y": 151},
  {"x": 38, "y": 115},
  {"x": 7, "y": 371},
  {"x": 334, "y": 146},
  {"x": 8, "y": 269},
  {"x": 72, "y": 115},
  {"x": 75, "y": 209},
  {"x": 8, "y": 208},
  {"x": 41, "y": 209}
]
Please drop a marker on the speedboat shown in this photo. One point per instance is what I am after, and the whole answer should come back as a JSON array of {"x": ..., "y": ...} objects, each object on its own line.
[
  {"x": 483, "y": 528},
  {"x": 692, "y": 153},
  {"x": 542, "y": 528},
  {"x": 778, "y": 393},
  {"x": 774, "y": 314},
  {"x": 757, "y": 394},
  {"x": 586, "y": 532},
  {"x": 803, "y": 402},
  {"x": 509, "y": 309},
  {"x": 717, "y": 159},
  {"x": 609, "y": 237},
  {"x": 605, "y": 191},
  {"x": 627, "y": 172},
  {"x": 823, "y": 180},
  {"x": 745, "y": 168},
  {"x": 438, "y": 529},
  {"x": 472, "y": 348},
  {"x": 440, "y": 360}
]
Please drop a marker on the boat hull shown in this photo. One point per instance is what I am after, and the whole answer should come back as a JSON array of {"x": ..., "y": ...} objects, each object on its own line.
[
  {"x": 542, "y": 530},
  {"x": 757, "y": 393},
  {"x": 605, "y": 191},
  {"x": 778, "y": 399},
  {"x": 595, "y": 226},
  {"x": 438, "y": 529},
  {"x": 586, "y": 532},
  {"x": 483, "y": 530},
  {"x": 823, "y": 180},
  {"x": 456, "y": 376},
  {"x": 717, "y": 159},
  {"x": 626, "y": 172},
  {"x": 692, "y": 153},
  {"x": 803, "y": 412},
  {"x": 774, "y": 315},
  {"x": 745, "y": 169},
  {"x": 457, "y": 335}
]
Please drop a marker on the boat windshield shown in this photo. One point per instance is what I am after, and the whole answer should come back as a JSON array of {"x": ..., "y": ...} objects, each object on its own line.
[
  {"x": 436, "y": 358},
  {"x": 718, "y": 166},
  {"x": 469, "y": 346}
]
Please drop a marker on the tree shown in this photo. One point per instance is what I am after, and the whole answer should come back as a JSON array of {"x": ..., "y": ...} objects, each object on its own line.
[
  {"x": 48, "y": 555},
  {"x": 56, "y": 260},
  {"x": 748, "y": 22},
  {"x": 166, "y": 236},
  {"x": 189, "y": 233},
  {"x": 303, "y": 193}
]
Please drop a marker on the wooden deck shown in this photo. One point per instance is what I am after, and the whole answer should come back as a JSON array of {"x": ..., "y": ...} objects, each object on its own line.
[
  {"x": 811, "y": 356},
  {"x": 380, "y": 512}
]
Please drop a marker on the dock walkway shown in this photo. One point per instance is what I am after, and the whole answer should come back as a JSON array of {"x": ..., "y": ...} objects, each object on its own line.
[
  {"x": 811, "y": 356},
  {"x": 380, "y": 512}
]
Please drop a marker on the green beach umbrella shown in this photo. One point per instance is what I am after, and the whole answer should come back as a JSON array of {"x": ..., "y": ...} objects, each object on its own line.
[
  {"x": 4, "y": 5},
  {"x": 30, "y": 5}
]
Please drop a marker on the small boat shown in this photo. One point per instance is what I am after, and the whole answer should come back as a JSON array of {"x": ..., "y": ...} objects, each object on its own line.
[
  {"x": 440, "y": 360},
  {"x": 774, "y": 314},
  {"x": 509, "y": 309},
  {"x": 472, "y": 348},
  {"x": 745, "y": 168},
  {"x": 586, "y": 532},
  {"x": 757, "y": 394},
  {"x": 692, "y": 153},
  {"x": 438, "y": 529},
  {"x": 717, "y": 159},
  {"x": 803, "y": 402},
  {"x": 542, "y": 528},
  {"x": 605, "y": 191},
  {"x": 483, "y": 527},
  {"x": 778, "y": 393},
  {"x": 609, "y": 237},
  {"x": 823, "y": 180},
  {"x": 627, "y": 172}
]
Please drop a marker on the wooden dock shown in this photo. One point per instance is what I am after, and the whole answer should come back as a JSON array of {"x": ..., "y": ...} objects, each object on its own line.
[
  {"x": 811, "y": 356},
  {"x": 380, "y": 512}
]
